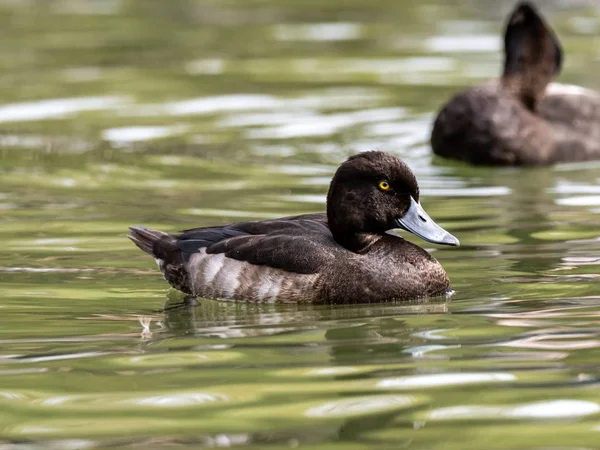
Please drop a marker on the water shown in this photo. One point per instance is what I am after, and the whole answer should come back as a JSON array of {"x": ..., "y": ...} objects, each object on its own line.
[{"x": 186, "y": 113}]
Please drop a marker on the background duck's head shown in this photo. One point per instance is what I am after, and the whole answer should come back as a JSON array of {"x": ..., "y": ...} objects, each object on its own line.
[
  {"x": 373, "y": 193},
  {"x": 532, "y": 55}
]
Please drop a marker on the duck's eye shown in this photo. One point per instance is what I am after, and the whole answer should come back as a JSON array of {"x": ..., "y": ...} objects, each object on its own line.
[{"x": 384, "y": 185}]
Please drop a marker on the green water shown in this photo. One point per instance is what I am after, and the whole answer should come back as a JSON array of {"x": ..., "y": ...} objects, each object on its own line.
[{"x": 185, "y": 113}]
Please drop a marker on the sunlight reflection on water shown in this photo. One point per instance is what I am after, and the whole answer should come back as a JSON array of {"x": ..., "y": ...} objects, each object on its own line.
[{"x": 57, "y": 108}]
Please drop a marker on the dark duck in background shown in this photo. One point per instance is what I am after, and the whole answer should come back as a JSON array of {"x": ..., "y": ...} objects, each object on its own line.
[{"x": 519, "y": 119}]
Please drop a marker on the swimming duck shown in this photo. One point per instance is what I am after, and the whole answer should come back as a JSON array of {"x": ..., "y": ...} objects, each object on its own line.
[
  {"x": 350, "y": 254},
  {"x": 516, "y": 120}
]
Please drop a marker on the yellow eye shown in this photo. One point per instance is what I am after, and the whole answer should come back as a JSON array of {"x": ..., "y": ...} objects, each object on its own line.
[{"x": 384, "y": 185}]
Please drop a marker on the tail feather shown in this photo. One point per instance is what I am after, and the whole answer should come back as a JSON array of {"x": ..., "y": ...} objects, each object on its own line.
[
  {"x": 156, "y": 243},
  {"x": 163, "y": 247}
]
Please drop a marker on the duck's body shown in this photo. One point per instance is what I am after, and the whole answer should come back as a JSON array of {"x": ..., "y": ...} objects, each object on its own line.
[
  {"x": 300, "y": 259},
  {"x": 575, "y": 107},
  {"x": 292, "y": 260},
  {"x": 486, "y": 125},
  {"x": 516, "y": 119}
]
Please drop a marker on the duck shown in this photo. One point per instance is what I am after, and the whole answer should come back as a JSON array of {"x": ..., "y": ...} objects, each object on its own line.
[
  {"x": 352, "y": 253},
  {"x": 521, "y": 118}
]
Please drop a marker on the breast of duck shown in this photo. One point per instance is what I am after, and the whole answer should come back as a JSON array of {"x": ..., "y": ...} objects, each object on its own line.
[
  {"x": 350, "y": 254},
  {"x": 521, "y": 118}
]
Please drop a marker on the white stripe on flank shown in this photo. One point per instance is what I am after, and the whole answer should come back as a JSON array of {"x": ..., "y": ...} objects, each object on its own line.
[
  {"x": 568, "y": 89},
  {"x": 268, "y": 287},
  {"x": 227, "y": 282},
  {"x": 215, "y": 276},
  {"x": 212, "y": 265},
  {"x": 218, "y": 277},
  {"x": 274, "y": 288},
  {"x": 195, "y": 268},
  {"x": 262, "y": 290}
]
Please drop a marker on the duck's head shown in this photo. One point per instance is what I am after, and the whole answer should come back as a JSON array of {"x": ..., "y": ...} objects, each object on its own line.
[
  {"x": 533, "y": 55},
  {"x": 373, "y": 193}
]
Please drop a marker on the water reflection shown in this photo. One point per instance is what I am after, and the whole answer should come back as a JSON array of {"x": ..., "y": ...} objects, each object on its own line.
[
  {"x": 120, "y": 136},
  {"x": 57, "y": 108},
  {"x": 357, "y": 406},
  {"x": 556, "y": 409},
  {"x": 318, "y": 32},
  {"x": 446, "y": 379},
  {"x": 229, "y": 320}
]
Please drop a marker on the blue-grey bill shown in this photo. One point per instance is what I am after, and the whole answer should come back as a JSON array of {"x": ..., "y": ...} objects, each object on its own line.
[{"x": 418, "y": 222}]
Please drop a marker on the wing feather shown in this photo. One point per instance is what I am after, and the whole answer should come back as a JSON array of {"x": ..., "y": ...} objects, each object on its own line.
[{"x": 300, "y": 244}]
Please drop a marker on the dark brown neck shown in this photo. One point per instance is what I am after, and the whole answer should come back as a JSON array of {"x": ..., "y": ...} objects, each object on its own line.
[
  {"x": 345, "y": 235},
  {"x": 528, "y": 91}
]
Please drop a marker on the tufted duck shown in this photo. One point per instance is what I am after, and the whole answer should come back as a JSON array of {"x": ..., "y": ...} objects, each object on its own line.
[
  {"x": 519, "y": 119},
  {"x": 351, "y": 254}
]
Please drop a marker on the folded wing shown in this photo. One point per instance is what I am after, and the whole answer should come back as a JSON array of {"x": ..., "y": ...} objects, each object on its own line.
[{"x": 300, "y": 244}]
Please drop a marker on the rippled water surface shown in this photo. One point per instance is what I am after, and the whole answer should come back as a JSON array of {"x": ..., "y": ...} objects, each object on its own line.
[{"x": 184, "y": 113}]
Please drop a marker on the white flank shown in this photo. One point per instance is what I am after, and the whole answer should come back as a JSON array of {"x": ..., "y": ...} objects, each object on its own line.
[
  {"x": 227, "y": 281},
  {"x": 568, "y": 89},
  {"x": 212, "y": 265}
]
